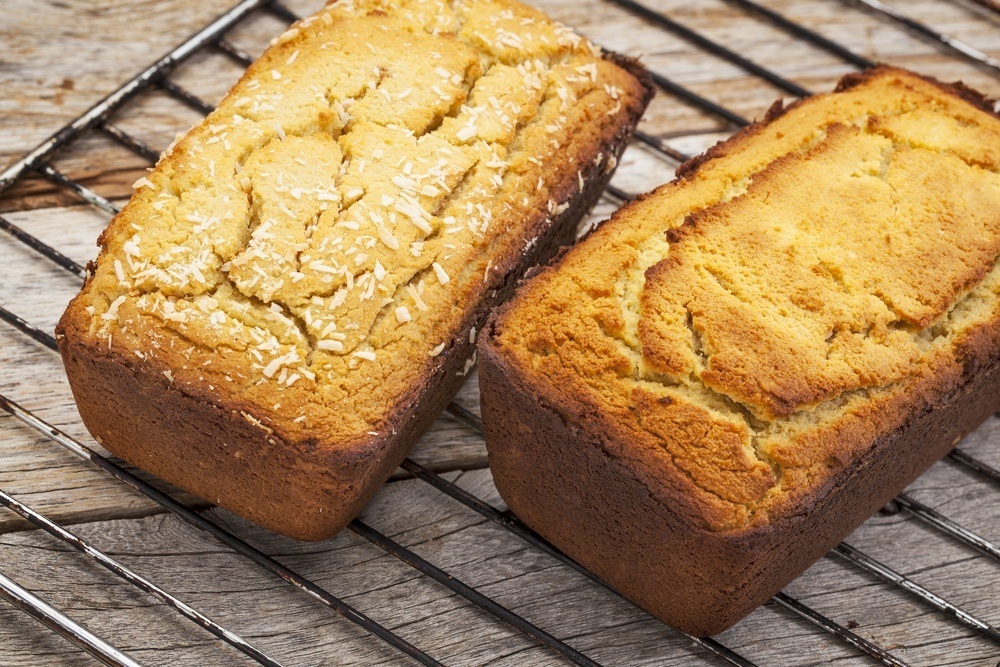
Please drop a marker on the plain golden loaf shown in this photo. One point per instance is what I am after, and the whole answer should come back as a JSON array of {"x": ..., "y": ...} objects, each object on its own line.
[
  {"x": 292, "y": 295},
  {"x": 726, "y": 378}
]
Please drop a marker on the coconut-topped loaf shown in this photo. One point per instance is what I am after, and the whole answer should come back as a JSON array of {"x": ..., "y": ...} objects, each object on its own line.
[
  {"x": 727, "y": 377},
  {"x": 291, "y": 295}
]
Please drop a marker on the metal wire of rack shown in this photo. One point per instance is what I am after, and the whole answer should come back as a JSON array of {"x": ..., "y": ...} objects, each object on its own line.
[{"x": 213, "y": 36}]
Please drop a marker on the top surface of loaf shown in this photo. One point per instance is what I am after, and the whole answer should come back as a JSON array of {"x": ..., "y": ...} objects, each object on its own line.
[
  {"x": 763, "y": 319},
  {"x": 320, "y": 237}
]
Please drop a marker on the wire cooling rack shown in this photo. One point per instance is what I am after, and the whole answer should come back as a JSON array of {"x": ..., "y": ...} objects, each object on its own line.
[{"x": 101, "y": 119}]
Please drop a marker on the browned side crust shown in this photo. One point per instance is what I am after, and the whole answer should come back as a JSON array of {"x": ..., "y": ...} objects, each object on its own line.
[
  {"x": 552, "y": 464},
  {"x": 305, "y": 488}
]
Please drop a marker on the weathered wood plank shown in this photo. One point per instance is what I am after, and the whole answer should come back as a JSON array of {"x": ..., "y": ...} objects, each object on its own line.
[{"x": 608, "y": 629}]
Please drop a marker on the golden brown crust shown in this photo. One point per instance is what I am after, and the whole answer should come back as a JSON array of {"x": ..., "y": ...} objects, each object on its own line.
[
  {"x": 269, "y": 389},
  {"x": 800, "y": 303}
]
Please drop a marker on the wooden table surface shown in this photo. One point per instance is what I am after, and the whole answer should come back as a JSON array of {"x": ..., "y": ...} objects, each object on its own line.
[{"x": 61, "y": 56}]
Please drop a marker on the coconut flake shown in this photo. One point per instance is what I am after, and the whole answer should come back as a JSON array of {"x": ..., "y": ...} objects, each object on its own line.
[{"x": 440, "y": 273}]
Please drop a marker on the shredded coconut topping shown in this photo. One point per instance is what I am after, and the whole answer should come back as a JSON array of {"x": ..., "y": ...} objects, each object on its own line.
[{"x": 313, "y": 223}]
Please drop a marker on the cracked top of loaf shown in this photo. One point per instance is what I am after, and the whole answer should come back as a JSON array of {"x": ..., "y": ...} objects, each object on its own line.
[
  {"x": 306, "y": 251},
  {"x": 747, "y": 331}
]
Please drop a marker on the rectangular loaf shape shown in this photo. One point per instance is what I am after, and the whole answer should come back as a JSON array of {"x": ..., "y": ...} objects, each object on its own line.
[
  {"x": 293, "y": 294},
  {"x": 726, "y": 378}
]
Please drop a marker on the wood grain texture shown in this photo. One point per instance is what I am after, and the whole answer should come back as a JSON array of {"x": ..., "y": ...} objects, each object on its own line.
[
  {"x": 298, "y": 631},
  {"x": 61, "y": 57}
]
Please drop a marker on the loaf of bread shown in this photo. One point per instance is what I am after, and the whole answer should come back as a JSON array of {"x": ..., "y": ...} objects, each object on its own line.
[
  {"x": 726, "y": 378},
  {"x": 293, "y": 294}
]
